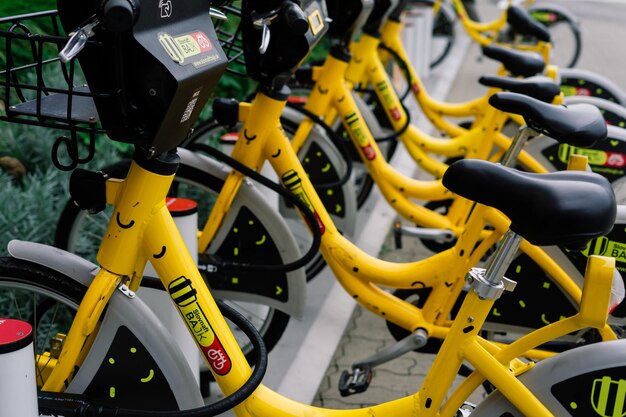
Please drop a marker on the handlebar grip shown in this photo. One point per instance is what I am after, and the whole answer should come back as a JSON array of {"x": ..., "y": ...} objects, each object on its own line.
[
  {"x": 120, "y": 15},
  {"x": 294, "y": 17}
]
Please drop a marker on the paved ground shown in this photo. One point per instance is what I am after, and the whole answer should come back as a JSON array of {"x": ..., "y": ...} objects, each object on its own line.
[{"x": 604, "y": 51}]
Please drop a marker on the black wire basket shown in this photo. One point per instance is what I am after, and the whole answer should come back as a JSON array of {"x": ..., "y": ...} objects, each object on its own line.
[
  {"x": 229, "y": 34},
  {"x": 37, "y": 88}
]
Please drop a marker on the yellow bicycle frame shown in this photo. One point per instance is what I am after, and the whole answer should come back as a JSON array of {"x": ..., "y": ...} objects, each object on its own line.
[
  {"x": 360, "y": 274},
  {"x": 332, "y": 98},
  {"x": 142, "y": 229},
  {"x": 367, "y": 68},
  {"x": 434, "y": 109},
  {"x": 485, "y": 33}
]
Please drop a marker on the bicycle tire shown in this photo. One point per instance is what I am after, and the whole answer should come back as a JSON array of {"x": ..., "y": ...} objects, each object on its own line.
[
  {"x": 274, "y": 323},
  {"x": 443, "y": 28},
  {"x": 579, "y": 82},
  {"x": 554, "y": 18},
  {"x": 51, "y": 289},
  {"x": 17, "y": 275},
  {"x": 567, "y": 390}
]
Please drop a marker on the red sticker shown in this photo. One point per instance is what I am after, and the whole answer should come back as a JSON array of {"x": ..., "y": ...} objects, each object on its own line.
[
  {"x": 203, "y": 41},
  {"x": 616, "y": 160},
  {"x": 395, "y": 114},
  {"x": 581, "y": 91},
  {"x": 217, "y": 357},
  {"x": 369, "y": 152}
]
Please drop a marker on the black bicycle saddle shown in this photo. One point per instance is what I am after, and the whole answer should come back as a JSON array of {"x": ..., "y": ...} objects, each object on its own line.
[
  {"x": 522, "y": 22},
  {"x": 559, "y": 208},
  {"x": 518, "y": 63},
  {"x": 580, "y": 125},
  {"x": 539, "y": 87}
]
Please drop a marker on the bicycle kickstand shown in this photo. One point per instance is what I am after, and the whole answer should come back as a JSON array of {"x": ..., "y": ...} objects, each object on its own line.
[{"x": 360, "y": 378}]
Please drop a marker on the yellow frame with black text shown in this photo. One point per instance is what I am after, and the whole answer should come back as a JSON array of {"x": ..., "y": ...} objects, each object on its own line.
[{"x": 142, "y": 229}]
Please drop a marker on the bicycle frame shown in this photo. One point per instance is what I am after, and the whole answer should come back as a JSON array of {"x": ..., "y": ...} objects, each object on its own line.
[
  {"x": 360, "y": 274},
  {"x": 367, "y": 68},
  {"x": 262, "y": 139},
  {"x": 332, "y": 98},
  {"x": 485, "y": 33},
  {"x": 142, "y": 229}
]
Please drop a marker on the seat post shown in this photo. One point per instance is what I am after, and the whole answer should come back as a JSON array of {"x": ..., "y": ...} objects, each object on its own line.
[
  {"x": 502, "y": 258},
  {"x": 521, "y": 137},
  {"x": 489, "y": 284}
]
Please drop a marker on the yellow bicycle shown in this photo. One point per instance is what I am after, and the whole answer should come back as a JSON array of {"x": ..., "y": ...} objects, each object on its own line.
[
  {"x": 98, "y": 345},
  {"x": 560, "y": 22},
  {"x": 260, "y": 142}
]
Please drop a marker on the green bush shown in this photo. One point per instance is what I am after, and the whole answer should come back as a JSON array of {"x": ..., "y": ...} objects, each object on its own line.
[{"x": 12, "y": 7}]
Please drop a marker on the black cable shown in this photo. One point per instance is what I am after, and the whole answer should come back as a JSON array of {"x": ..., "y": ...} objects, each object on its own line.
[
  {"x": 335, "y": 139},
  {"x": 85, "y": 409},
  {"x": 304, "y": 209},
  {"x": 404, "y": 67},
  {"x": 200, "y": 131}
]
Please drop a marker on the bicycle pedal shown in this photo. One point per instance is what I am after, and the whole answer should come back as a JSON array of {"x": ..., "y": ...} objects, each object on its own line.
[{"x": 355, "y": 382}]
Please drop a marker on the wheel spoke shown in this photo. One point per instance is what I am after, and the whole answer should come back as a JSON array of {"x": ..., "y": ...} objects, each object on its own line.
[
  {"x": 248, "y": 314},
  {"x": 17, "y": 307}
]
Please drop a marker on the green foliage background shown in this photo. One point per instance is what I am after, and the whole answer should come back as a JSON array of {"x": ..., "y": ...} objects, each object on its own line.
[{"x": 30, "y": 206}]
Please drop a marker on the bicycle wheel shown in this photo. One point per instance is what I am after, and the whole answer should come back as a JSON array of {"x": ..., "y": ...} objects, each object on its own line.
[
  {"x": 81, "y": 233},
  {"x": 564, "y": 33},
  {"x": 48, "y": 300},
  {"x": 45, "y": 299},
  {"x": 580, "y": 382},
  {"x": 443, "y": 34},
  {"x": 579, "y": 82}
]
